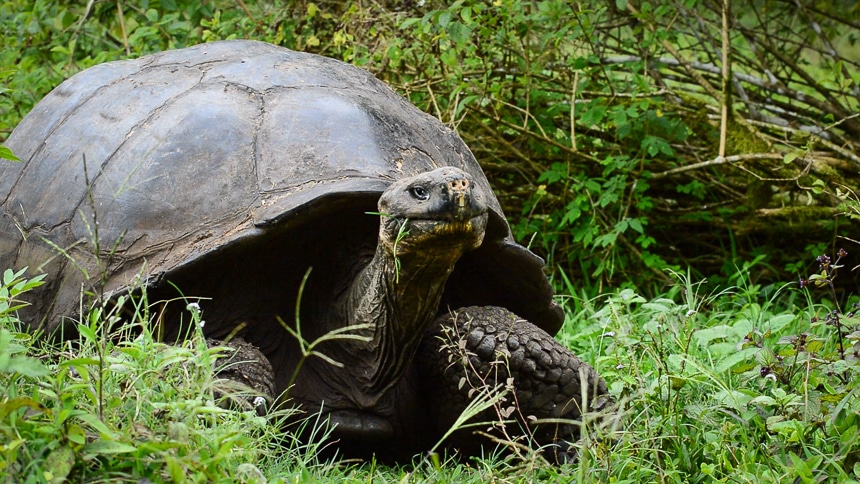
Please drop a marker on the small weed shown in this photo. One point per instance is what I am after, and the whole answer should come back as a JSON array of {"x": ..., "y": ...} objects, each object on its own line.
[{"x": 402, "y": 232}]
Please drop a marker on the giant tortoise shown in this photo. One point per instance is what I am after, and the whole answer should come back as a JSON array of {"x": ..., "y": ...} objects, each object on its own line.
[{"x": 228, "y": 172}]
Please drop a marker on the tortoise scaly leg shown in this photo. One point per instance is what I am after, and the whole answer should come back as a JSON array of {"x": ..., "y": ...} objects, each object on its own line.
[
  {"x": 482, "y": 347},
  {"x": 249, "y": 374}
]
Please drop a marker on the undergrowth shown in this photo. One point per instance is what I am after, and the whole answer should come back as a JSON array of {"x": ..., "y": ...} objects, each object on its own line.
[
  {"x": 606, "y": 129},
  {"x": 122, "y": 406},
  {"x": 749, "y": 384}
]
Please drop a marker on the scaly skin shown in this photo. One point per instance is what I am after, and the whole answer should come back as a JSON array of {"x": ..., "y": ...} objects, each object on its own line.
[
  {"x": 478, "y": 347},
  {"x": 244, "y": 364}
]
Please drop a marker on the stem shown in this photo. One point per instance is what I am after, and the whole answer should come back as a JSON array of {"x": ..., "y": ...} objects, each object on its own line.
[
  {"x": 122, "y": 28},
  {"x": 297, "y": 333},
  {"x": 838, "y": 320},
  {"x": 307, "y": 349},
  {"x": 724, "y": 115},
  {"x": 573, "y": 111}
]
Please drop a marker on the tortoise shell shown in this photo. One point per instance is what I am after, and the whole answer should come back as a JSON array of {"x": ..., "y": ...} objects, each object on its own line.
[{"x": 168, "y": 164}]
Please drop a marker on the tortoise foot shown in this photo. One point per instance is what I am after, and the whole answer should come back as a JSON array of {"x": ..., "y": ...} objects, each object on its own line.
[
  {"x": 476, "y": 349},
  {"x": 249, "y": 381},
  {"x": 358, "y": 426}
]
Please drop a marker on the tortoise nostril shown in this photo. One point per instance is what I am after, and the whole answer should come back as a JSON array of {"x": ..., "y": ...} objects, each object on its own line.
[{"x": 461, "y": 184}]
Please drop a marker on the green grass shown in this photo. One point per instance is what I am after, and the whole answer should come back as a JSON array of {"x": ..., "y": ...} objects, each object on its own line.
[{"x": 745, "y": 385}]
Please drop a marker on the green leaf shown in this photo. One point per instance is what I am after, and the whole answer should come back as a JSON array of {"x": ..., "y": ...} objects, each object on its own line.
[
  {"x": 6, "y": 154},
  {"x": 466, "y": 15},
  {"x": 102, "y": 446},
  {"x": 707, "y": 335},
  {"x": 621, "y": 5},
  {"x": 449, "y": 57},
  {"x": 800, "y": 466},
  {"x": 458, "y": 32},
  {"x": 654, "y": 146},
  {"x": 813, "y": 346},
  {"x": 790, "y": 429},
  {"x": 444, "y": 18},
  {"x": 76, "y": 435},
  {"x": 95, "y": 422},
  {"x": 409, "y": 23},
  {"x": 778, "y": 322},
  {"x": 763, "y": 400},
  {"x": 732, "y": 398},
  {"x": 8, "y": 277},
  {"x": 593, "y": 115},
  {"x": 657, "y": 307},
  {"x": 728, "y": 362},
  {"x": 789, "y": 157},
  {"x": 818, "y": 186},
  {"x": 25, "y": 366},
  {"x": 88, "y": 333},
  {"x": 13, "y": 404}
]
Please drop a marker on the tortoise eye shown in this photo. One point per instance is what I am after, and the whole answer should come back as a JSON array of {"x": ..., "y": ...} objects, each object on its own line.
[{"x": 419, "y": 192}]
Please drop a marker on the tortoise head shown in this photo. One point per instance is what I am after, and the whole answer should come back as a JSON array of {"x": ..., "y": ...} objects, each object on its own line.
[{"x": 442, "y": 212}]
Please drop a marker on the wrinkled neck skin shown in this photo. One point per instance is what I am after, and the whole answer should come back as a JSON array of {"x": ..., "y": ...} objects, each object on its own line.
[{"x": 398, "y": 308}]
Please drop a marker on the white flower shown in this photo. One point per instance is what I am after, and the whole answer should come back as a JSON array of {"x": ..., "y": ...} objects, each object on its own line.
[
  {"x": 259, "y": 401},
  {"x": 193, "y": 306},
  {"x": 201, "y": 324},
  {"x": 690, "y": 313},
  {"x": 608, "y": 334}
]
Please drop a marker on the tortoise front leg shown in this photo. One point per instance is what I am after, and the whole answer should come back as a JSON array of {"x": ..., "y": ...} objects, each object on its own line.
[
  {"x": 249, "y": 372},
  {"x": 478, "y": 348}
]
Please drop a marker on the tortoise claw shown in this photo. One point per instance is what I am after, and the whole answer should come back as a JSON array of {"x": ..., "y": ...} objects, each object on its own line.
[{"x": 550, "y": 388}]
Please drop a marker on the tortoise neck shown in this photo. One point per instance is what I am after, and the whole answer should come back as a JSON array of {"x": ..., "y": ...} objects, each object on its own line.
[{"x": 397, "y": 300}]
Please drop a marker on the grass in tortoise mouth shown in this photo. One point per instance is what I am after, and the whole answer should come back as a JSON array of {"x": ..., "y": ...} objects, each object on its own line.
[{"x": 451, "y": 227}]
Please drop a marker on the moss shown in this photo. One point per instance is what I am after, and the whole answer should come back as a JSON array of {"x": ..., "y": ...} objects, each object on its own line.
[{"x": 739, "y": 140}]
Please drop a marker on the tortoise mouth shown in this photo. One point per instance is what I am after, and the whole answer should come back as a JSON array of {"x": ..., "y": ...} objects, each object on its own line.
[
  {"x": 450, "y": 222},
  {"x": 448, "y": 215},
  {"x": 437, "y": 234}
]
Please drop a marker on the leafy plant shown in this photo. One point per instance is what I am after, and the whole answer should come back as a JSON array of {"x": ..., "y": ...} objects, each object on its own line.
[{"x": 133, "y": 408}]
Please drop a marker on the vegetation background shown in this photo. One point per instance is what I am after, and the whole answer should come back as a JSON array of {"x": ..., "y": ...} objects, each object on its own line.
[{"x": 675, "y": 161}]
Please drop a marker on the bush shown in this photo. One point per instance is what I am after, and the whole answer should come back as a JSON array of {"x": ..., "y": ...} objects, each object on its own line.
[{"x": 616, "y": 137}]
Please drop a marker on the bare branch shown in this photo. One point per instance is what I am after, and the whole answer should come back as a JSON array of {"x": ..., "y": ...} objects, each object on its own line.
[
  {"x": 725, "y": 101},
  {"x": 720, "y": 160}
]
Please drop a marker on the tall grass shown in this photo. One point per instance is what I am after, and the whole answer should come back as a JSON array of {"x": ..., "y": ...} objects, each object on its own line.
[
  {"x": 122, "y": 406},
  {"x": 749, "y": 384}
]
